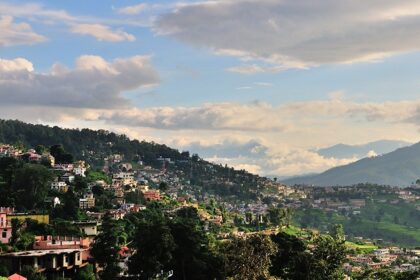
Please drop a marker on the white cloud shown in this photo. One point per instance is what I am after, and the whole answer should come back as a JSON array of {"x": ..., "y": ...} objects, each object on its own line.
[
  {"x": 93, "y": 83},
  {"x": 102, "y": 32},
  {"x": 279, "y": 35},
  {"x": 13, "y": 33},
  {"x": 17, "y": 64},
  {"x": 133, "y": 10}
]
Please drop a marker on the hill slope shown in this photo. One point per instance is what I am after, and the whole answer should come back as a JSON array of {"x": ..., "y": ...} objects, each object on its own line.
[
  {"x": 94, "y": 146},
  {"x": 398, "y": 168}
]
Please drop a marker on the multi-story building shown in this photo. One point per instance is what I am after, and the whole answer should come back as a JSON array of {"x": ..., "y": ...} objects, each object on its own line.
[
  {"x": 55, "y": 256},
  {"x": 5, "y": 225},
  {"x": 88, "y": 201}
]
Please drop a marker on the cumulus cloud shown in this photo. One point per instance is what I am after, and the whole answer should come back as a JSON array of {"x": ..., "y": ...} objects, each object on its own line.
[
  {"x": 13, "y": 33},
  {"x": 102, "y": 32},
  {"x": 133, "y": 10},
  {"x": 93, "y": 83},
  {"x": 17, "y": 64},
  {"x": 297, "y": 34}
]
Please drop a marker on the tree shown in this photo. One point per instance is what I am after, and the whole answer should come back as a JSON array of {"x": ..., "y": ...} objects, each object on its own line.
[
  {"x": 153, "y": 246},
  {"x": 40, "y": 149},
  {"x": 192, "y": 258},
  {"x": 31, "y": 184},
  {"x": 327, "y": 258},
  {"x": 69, "y": 209},
  {"x": 248, "y": 258},
  {"x": 292, "y": 261},
  {"x": 60, "y": 155},
  {"x": 276, "y": 216},
  {"x": 16, "y": 227},
  {"x": 106, "y": 247}
]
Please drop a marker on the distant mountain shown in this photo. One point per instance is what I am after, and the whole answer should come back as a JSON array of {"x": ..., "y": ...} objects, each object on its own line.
[
  {"x": 398, "y": 168},
  {"x": 342, "y": 151}
]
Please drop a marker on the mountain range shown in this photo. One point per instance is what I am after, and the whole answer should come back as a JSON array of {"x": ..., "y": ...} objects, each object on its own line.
[
  {"x": 398, "y": 168},
  {"x": 343, "y": 151}
]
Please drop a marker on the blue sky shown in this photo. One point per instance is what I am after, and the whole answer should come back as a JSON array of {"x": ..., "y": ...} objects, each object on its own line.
[{"x": 269, "y": 75}]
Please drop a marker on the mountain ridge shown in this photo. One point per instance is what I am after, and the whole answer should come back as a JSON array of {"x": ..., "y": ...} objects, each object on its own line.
[
  {"x": 398, "y": 168},
  {"x": 360, "y": 151}
]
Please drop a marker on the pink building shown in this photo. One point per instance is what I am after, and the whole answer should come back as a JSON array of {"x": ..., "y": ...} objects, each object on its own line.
[{"x": 5, "y": 226}]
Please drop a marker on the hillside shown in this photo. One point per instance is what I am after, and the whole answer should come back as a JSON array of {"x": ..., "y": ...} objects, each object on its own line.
[
  {"x": 398, "y": 168},
  {"x": 93, "y": 146}
]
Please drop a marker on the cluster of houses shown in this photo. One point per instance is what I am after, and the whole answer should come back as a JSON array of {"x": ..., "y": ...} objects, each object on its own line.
[
  {"x": 9, "y": 151},
  {"x": 393, "y": 257},
  {"x": 31, "y": 155}
]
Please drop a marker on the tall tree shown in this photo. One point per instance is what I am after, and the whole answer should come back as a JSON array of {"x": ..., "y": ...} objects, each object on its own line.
[
  {"x": 248, "y": 258},
  {"x": 292, "y": 261},
  {"x": 106, "y": 248},
  {"x": 31, "y": 185},
  {"x": 328, "y": 257},
  {"x": 153, "y": 246},
  {"x": 192, "y": 258}
]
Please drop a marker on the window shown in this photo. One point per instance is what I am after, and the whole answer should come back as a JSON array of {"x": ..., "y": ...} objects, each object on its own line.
[{"x": 4, "y": 234}]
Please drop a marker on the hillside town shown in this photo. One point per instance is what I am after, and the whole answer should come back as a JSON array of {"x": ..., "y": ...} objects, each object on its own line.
[{"x": 120, "y": 188}]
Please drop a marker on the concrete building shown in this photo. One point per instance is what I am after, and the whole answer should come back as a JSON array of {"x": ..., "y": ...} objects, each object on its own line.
[{"x": 58, "y": 256}]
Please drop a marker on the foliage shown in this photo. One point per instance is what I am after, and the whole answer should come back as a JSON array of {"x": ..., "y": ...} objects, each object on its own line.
[
  {"x": 86, "y": 273},
  {"x": 179, "y": 244},
  {"x": 248, "y": 258},
  {"x": 292, "y": 260},
  {"x": 328, "y": 257},
  {"x": 23, "y": 186},
  {"x": 30, "y": 273},
  {"x": 106, "y": 247},
  {"x": 60, "y": 155},
  {"x": 153, "y": 243}
]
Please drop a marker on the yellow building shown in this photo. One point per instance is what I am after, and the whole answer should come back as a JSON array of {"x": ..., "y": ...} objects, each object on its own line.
[{"x": 41, "y": 218}]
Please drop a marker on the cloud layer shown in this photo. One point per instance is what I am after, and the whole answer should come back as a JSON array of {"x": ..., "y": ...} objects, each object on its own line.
[
  {"x": 93, "y": 83},
  {"x": 259, "y": 116},
  {"x": 297, "y": 34}
]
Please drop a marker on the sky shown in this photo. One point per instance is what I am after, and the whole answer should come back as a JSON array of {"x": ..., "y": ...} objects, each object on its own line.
[{"x": 256, "y": 84}]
